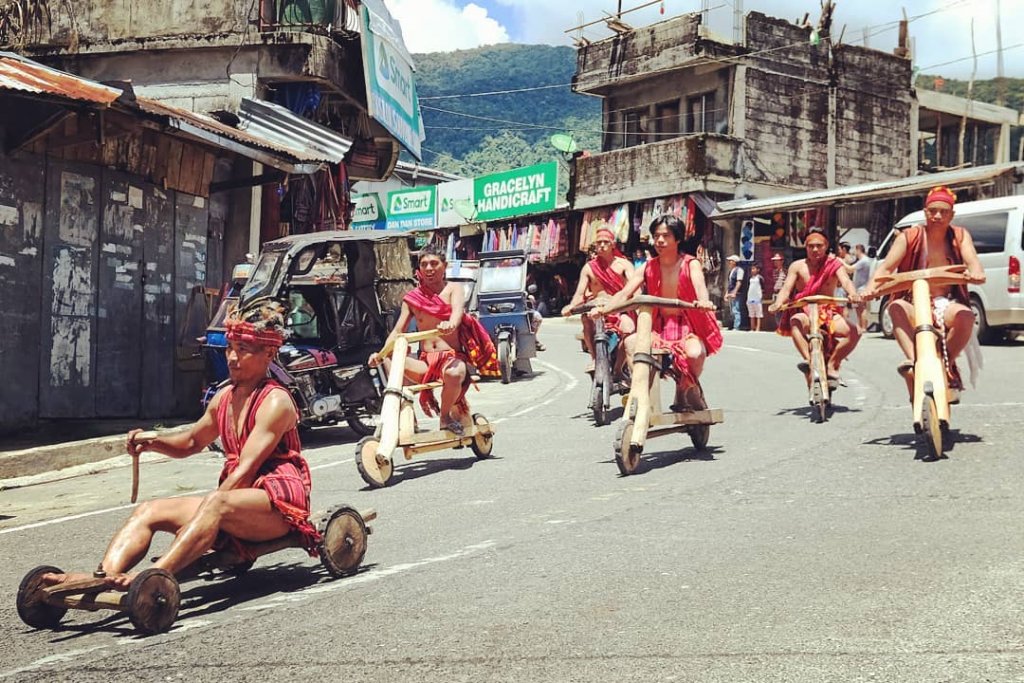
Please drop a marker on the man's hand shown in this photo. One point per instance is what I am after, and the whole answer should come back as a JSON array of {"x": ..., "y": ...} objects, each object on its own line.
[
  {"x": 596, "y": 312},
  {"x": 446, "y": 326},
  {"x": 868, "y": 293},
  {"x": 774, "y": 307},
  {"x": 974, "y": 279},
  {"x": 567, "y": 310},
  {"x": 135, "y": 445},
  {"x": 855, "y": 298},
  {"x": 729, "y": 295},
  {"x": 705, "y": 305},
  {"x": 374, "y": 360}
]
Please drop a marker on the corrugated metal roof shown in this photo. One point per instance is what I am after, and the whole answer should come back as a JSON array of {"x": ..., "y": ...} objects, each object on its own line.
[
  {"x": 280, "y": 125},
  {"x": 212, "y": 125},
  {"x": 18, "y": 73},
  {"x": 862, "y": 193}
]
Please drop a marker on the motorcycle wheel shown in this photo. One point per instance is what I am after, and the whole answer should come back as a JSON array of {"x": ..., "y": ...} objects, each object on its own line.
[{"x": 504, "y": 355}]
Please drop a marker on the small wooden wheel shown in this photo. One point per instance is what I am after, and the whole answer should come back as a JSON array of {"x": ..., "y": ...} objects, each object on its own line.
[
  {"x": 343, "y": 541},
  {"x": 32, "y": 607},
  {"x": 376, "y": 475},
  {"x": 483, "y": 440},
  {"x": 931, "y": 430},
  {"x": 153, "y": 601},
  {"x": 627, "y": 456}
]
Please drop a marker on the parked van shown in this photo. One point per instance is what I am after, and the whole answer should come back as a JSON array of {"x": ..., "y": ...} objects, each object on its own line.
[{"x": 997, "y": 228}]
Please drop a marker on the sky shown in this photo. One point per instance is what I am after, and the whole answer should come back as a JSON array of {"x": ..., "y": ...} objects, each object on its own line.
[{"x": 940, "y": 30}]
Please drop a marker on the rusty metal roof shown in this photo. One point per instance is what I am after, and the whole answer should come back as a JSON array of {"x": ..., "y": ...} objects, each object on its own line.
[{"x": 18, "y": 73}]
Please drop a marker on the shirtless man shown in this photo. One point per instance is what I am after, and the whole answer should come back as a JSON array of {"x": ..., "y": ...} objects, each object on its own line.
[
  {"x": 264, "y": 484},
  {"x": 438, "y": 304},
  {"x": 937, "y": 243},
  {"x": 818, "y": 274},
  {"x": 690, "y": 334},
  {"x": 602, "y": 277}
]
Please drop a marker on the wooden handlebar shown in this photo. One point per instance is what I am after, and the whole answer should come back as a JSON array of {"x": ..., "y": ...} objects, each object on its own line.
[
  {"x": 813, "y": 299},
  {"x": 939, "y": 275},
  {"x": 411, "y": 337},
  {"x": 657, "y": 301}
]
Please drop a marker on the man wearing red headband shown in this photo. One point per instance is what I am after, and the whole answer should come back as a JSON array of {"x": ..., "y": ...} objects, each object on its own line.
[
  {"x": 438, "y": 304},
  {"x": 603, "y": 276},
  {"x": 264, "y": 484},
  {"x": 820, "y": 273},
  {"x": 936, "y": 243},
  {"x": 690, "y": 335}
]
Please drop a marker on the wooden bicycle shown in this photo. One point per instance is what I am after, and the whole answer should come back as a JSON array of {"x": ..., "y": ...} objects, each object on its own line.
[
  {"x": 605, "y": 359},
  {"x": 932, "y": 393},
  {"x": 820, "y": 387},
  {"x": 398, "y": 421},
  {"x": 643, "y": 416}
]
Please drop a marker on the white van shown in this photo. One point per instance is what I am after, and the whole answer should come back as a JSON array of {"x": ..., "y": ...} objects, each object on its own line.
[{"x": 997, "y": 228}]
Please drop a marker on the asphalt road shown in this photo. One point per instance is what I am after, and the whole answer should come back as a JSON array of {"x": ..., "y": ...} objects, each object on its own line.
[{"x": 791, "y": 551}]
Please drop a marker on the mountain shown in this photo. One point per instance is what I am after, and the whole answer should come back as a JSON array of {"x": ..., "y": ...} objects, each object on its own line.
[{"x": 483, "y": 134}]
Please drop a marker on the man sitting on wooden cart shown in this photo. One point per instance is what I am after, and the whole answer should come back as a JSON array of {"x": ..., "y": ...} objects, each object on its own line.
[
  {"x": 820, "y": 273},
  {"x": 690, "y": 335},
  {"x": 437, "y": 304},
  {"x": 265, "y": 482}
]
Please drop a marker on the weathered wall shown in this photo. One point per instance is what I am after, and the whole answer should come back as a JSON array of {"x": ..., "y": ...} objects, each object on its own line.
[
  {"x": 21, "y": 235},
  {"x": 665, "y": 45},
  {"x": 94, "y": 21},
  {"x": 96, "y": 268}
]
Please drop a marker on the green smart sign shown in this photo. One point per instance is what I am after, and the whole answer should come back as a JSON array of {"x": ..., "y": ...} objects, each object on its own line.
[
  {"x": 368, "y": 213},
  {"x": 519, "y": 192},
  {"x": 413, "y": 209},
  {"x": 388, "y": 71}
]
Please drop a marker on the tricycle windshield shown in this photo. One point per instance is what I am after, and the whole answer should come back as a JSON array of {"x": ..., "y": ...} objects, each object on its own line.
[
  {"x": 503, "y": 275},
  {"x": 262, "y": 279}
]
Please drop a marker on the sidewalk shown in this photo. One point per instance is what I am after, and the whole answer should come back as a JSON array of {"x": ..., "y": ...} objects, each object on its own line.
[{"x": 63, "y": 444}]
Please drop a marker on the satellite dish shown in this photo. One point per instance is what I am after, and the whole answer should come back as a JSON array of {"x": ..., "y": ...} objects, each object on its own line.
[
  {"x": 564, "y": 142},
  {"x": 465, "y": 208}
]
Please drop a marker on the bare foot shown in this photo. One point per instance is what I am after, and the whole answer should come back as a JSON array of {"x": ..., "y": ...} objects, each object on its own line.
[
  {"x": 53, "y": 579},
  {"x": 120, "y": 582}
]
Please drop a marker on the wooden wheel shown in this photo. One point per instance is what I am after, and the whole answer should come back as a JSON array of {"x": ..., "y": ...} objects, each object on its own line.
[
  {"x": 343, "y": 541},
  {"x": 483, "y": 441},
  {"x": 931, "y": 429},
  {"x": 153, "y": 601},
  {"x": 373, "y": 473},
  {"x": 31, "y": 606},
  {"x": 627, "y": 456}
]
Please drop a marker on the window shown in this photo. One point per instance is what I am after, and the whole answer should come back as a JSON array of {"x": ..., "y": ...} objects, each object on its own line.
[
  {"x": 700, "y": 113},
  {"x": 666, "y": 120},
  {"x": 632, "y": 134},
  {"x": 987, "y": 230}
]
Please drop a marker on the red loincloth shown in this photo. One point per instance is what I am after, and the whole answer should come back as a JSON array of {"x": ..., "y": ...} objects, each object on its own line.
[
  {"x": 437, "y": 362},
  {"x": 673, "y": 331},
  {"x": 475, "y": 344},
  {"x": 813, "y": 287},
  {"x": 284, "y": 475}
]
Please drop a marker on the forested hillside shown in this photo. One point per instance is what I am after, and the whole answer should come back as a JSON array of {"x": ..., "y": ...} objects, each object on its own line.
[{"x": 481, "y": 134}]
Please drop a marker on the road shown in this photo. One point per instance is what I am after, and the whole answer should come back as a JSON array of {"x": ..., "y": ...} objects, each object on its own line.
[{"x": 791, "y": 551}]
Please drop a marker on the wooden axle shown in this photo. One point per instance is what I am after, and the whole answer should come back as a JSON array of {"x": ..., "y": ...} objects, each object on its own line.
[{"x": 711, "y": 416}]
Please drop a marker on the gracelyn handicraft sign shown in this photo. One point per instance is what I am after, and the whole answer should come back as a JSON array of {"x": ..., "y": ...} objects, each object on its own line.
[{"x": 519, "y": 192}]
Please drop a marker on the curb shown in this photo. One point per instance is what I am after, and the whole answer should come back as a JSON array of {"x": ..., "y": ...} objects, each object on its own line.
[{"x": 40, "y": 459}]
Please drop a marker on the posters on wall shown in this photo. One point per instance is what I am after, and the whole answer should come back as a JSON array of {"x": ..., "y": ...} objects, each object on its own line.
[{"x": 614, "y": 218}]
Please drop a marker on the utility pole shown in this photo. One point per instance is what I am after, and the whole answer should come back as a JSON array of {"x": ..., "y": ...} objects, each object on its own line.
[
  {"x": 1000, "y": 76},
  {"x": 737, "y": 22}
]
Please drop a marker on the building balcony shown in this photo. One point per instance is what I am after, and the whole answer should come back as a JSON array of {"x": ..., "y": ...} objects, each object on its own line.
[{"x": 704, "y": 162}]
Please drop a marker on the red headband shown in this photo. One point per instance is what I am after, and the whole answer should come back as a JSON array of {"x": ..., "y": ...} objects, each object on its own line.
[
  {"x": 817, "y": 235},
  {"x": 606, "y": 233},
  {"x": 941, "y": 194},
  {"x": 241, "y": 331}
]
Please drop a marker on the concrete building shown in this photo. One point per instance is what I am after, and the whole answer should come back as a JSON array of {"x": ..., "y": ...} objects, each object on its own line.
[{"x": 112, "y": 235}]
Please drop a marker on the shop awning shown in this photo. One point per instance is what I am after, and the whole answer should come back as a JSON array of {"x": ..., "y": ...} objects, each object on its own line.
[{"x": 852, "y": 194}]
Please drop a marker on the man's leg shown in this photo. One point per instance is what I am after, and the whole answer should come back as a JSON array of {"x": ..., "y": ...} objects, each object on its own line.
[
  {"x": 131, "y": 543},
  {"x": 687, "y": 394},
  {"x": 245, "y": 514},
  {"x": 626, "y": 329},
  {"x": 847, "y": 336},
  {"x": 452, "y": 378},
  {"x": 737, "y": 319},
  {"x": 798, "y": 330},
  {"x": 902, "y": 314},
  {"x": 959, "y": 321},
  {"x": 588, "y": 337}
]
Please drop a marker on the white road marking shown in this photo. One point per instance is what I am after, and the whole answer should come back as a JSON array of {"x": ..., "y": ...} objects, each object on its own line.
[
  {"x": 93, "y": 513},
  {"x": 565, "y": 389},
  {"x": 744, "y": 348},
  {"x": 50, "y": 659}
]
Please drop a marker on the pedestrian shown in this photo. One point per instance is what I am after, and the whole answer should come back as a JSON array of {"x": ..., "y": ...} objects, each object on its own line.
[
  {"x": 755, "y": 294},
  {"x": 861, "y": 275},
  {"x": 732, "y": 290},
  {"x": 779, "y": 268}
]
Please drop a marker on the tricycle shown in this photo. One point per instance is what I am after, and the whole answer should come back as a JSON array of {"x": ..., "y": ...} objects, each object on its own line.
[
  {"x": 340, "y": 289},
  {"x": 504, "y": 312}
]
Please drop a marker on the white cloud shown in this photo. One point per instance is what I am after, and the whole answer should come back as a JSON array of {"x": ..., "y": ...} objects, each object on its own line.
[{"x": 442, "y": 26}]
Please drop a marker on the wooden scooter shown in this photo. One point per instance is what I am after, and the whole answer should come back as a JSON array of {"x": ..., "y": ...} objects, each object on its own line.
[
  {"x": 932, "y": 394},
  {"x": 154, "y": 596},
  {"x": 604, "y": 380},
  {"x": 398, "y": 421},
  {"x": 643, "y": 416},
  {"x": 819, "y": 387}
]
